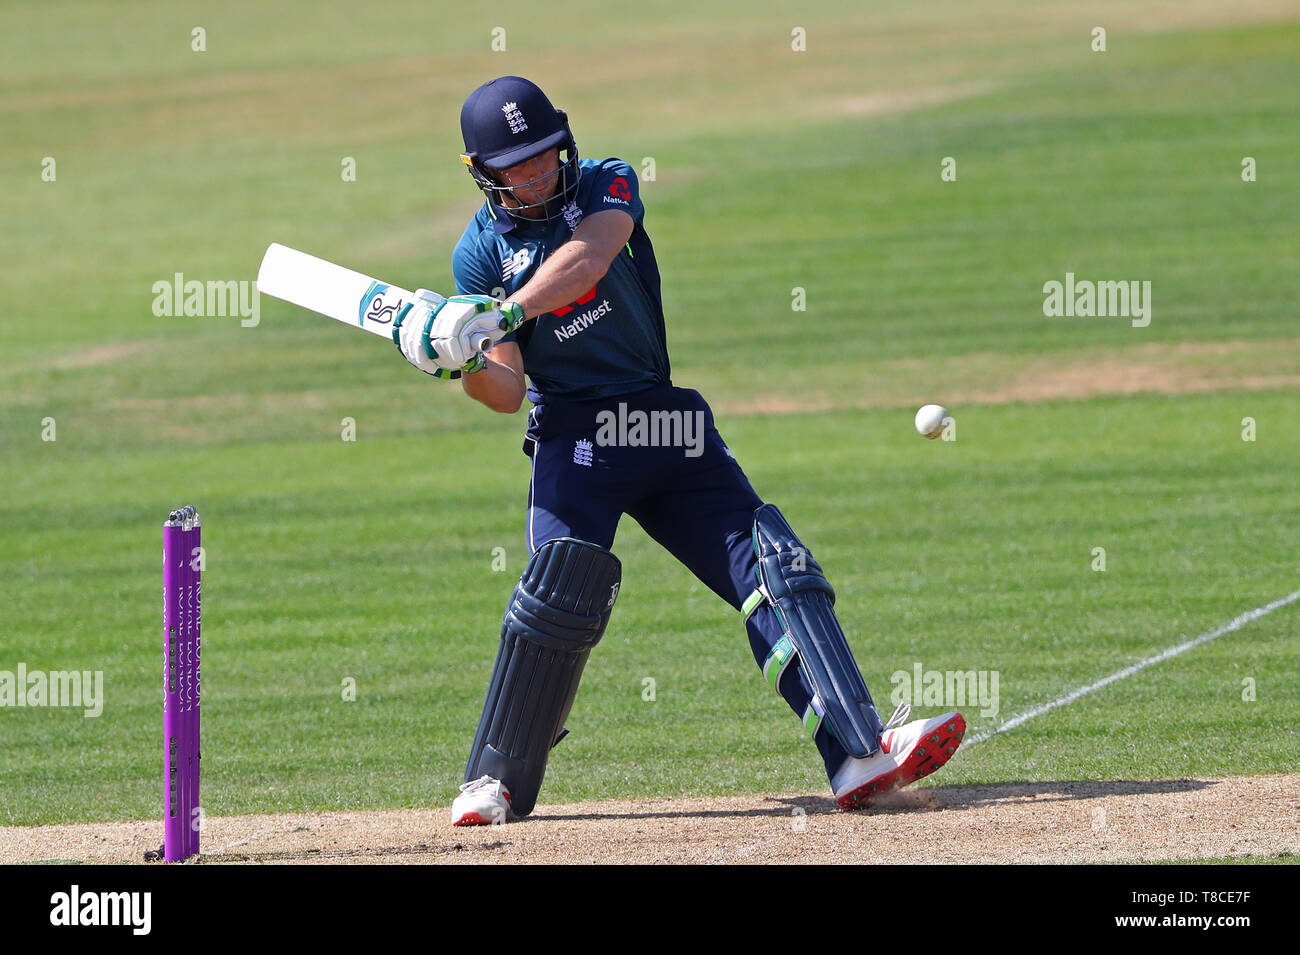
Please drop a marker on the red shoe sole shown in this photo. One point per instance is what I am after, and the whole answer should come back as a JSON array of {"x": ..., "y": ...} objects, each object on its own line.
[
  {"x": 472, "y": 819},
  {"x": 926, "y": 756}
]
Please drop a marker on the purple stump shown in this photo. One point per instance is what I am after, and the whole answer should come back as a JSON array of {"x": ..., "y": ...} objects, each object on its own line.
[
  {"x": 181, "y": 683},
  {"x": 198, "y": 669}
]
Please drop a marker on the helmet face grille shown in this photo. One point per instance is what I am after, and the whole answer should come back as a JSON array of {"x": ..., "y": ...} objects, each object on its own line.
[{"x": 518, "y": 207}]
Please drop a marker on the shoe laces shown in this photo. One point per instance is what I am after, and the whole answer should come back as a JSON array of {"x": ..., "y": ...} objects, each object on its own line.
[
  {"x": 474, "y": 785},
  {"x": 900, "y": 716}
]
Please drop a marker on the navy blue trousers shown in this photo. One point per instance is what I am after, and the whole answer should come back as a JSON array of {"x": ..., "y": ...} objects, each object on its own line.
[{"x": 690, "y": 496}]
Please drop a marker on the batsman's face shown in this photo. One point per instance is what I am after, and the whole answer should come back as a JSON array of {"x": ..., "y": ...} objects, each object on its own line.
[{"x": 532, "y": 181}]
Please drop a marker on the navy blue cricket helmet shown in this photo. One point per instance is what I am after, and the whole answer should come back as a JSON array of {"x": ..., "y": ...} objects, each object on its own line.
[{"x": 507, "y": 121}]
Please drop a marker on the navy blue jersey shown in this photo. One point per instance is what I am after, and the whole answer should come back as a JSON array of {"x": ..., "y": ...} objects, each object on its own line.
[{"x": 609, "y": 342}]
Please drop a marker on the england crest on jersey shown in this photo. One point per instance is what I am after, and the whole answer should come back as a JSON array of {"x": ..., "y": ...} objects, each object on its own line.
[{"x": 572, "y": 215}]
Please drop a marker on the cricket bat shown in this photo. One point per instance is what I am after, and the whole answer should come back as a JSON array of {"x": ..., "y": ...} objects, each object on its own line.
[{"x": 332, "y": 290}]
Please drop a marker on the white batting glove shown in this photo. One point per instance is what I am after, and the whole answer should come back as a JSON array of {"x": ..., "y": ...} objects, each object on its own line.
[
  {"x": 466, "y": 325},
  {"x": 411, "y": 333}
]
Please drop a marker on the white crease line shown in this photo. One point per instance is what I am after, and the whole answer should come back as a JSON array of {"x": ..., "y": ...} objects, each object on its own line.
[
  {"x": 1235, "y": 624},
  {"x": 240, "y": 842}
]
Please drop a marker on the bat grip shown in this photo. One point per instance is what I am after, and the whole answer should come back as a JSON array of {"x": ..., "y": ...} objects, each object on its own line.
[{"x": 485, "y": 343}]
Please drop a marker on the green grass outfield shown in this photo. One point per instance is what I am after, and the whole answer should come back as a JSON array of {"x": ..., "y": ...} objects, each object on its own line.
[{"x": 372, "y": 560}]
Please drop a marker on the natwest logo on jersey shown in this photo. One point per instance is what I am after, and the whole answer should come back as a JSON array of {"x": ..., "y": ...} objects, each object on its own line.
[
  {"x": 583, "y": 321},
  {"x": 619, "y": 192},
  {"x": 583, "y": 299}
]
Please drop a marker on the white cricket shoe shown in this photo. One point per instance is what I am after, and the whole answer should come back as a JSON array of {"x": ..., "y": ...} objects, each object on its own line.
[
  {"x": 482, "y": 802},
  {"x": 907, "y": 752}
]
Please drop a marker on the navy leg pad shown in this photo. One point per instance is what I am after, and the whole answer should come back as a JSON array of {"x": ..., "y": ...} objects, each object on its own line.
[
  {"x": 793, "y": 582},
  {"x": 558, "y": 612}
]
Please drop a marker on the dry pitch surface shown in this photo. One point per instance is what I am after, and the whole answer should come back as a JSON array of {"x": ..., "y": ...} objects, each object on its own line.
[{"x": 1010, "y": 823}]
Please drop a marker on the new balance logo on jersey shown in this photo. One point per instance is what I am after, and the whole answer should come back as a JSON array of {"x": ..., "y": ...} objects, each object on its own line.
[
  {"x": 515, "y": 264},
  {"x": 583, "y": 321},
  {"x": 514, "y": 117}
]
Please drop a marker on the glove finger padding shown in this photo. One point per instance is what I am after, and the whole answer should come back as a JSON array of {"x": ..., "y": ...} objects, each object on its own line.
[
  {"x": 411, "y": 332},
  {"x": 464, "y": 326},
  {"x": 442, "y": 337}
]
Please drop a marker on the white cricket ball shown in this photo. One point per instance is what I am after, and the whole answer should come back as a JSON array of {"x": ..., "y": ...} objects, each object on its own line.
[{"x": 930, "y": 419}]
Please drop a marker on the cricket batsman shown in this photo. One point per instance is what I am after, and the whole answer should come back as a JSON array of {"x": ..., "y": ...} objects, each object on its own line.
[{"x": 556, "y": 277}]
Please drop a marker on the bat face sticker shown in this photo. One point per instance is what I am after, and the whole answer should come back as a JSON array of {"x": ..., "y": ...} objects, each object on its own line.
[{"x": 375, "y": 308}]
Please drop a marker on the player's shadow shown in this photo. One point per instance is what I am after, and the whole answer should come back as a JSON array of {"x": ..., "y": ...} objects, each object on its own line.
[
  {"x": 542, "y": 816},
  {"x": 925, "y": 799},
  {"x": 972, "y": 796}
]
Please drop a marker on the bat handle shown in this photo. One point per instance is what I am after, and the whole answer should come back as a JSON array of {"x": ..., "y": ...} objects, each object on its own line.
[{"x": 487, "y": 341}]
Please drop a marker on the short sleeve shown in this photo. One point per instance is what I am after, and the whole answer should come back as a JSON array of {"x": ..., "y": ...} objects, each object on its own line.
[
  {"x": 615, "y": 187},
  {"x": 475, "y": 273}
]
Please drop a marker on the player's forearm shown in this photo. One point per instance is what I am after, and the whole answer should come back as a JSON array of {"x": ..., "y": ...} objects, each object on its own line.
[
  {"x": 561, "y": 279},
  {"x": 498, "y": 386}
]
